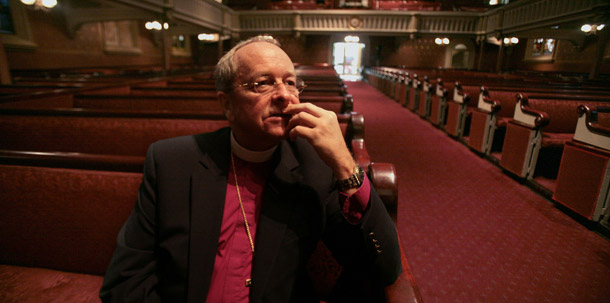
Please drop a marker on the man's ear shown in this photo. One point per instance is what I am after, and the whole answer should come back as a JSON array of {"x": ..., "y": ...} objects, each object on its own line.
[{"x": 225, "y": 104}]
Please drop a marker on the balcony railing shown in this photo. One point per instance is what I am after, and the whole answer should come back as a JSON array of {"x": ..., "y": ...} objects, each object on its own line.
[
  {"x": 377, "y": 22},
  {"x": 208, "y": 15}
]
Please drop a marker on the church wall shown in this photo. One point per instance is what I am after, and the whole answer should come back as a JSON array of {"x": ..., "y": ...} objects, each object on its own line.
[
  {"x": 56, "y": 49},
  {"x": 568, "y": 58},
  {"x": 414, "y": 53}
]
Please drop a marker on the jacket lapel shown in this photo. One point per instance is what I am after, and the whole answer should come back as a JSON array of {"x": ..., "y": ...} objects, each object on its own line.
[
  {"x": 273, "y": 217},
  {"x": 208, "y": 190}
]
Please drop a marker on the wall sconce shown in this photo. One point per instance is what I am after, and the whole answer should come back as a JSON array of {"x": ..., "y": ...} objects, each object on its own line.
[
  {"x": 351, "y": 39},
  {"x": 156, "y": 25},
  {"x": 592, "y": 28},
  {"x": 496, "y": 2},
  {"x": 442, "y": 41},
  {"x": 208, "y": 37},
  {"x": 511, "y": 41},
  {"x": 40, "y": 4}
]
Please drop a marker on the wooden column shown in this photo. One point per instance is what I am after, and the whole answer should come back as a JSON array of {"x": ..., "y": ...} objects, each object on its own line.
[
  {"x": 602, "y": 42},
  {"x": 481, "y": 51},
  {"x": 220, "y": 46},
  {"x": 5, "y": 74},
  {"x": 166, "y": 50},
  {"x": 500, "y": 57}
]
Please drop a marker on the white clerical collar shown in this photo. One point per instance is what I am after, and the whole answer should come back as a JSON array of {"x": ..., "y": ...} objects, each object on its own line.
[{"x": 250, "y": 155}]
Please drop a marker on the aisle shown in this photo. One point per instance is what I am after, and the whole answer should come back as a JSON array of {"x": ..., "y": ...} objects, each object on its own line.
[{"x": 471, "y": 233}]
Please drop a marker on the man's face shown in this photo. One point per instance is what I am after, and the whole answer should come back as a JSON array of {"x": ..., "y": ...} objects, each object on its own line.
[{"x": 256, "y": 118}]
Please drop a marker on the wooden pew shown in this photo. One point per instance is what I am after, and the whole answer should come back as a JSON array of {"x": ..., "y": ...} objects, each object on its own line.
[
  {"x": 536, "y": 135},
  {"x": 583, "y": 183},
  {"x": 459, "y": 110},
  {"x": 81, "y": 164},
  {"x": 338, "y": 104},
  {"x": 496, "y": 106},
  {"x": 415, "y": 92},
  {"x": 427, "y": 87},
  {"x": 438, "y": 104},
  {"x": 70, "y": 243},
  {"x": 97, "y": 132}
]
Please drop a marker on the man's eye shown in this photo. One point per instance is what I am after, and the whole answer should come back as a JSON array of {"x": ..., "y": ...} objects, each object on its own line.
[
  {"x": 292, "y": 83},
  {"x": 264, "y": 83}
]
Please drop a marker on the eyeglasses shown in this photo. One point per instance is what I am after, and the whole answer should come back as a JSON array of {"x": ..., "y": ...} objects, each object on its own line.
[{"x": 267, "y": 85}]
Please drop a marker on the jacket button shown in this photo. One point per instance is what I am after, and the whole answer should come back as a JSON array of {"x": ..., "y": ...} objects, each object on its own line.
[
  {"x": 371, "y": 234},
  {"x": 379, "y": 251}
]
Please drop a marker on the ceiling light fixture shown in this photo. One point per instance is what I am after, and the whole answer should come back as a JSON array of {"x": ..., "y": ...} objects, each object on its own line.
[
  {"x": 592, "y": 28},
  {"x": 441, "y": 41},
  {"x": 40, "y": 4}
]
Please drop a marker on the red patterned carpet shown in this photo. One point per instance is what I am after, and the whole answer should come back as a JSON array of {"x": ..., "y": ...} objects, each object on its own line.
[{"x": 471, "y": 233}]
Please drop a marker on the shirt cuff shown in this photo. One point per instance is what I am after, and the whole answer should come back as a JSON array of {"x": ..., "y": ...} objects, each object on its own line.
[{"x": 354, "y": 207}]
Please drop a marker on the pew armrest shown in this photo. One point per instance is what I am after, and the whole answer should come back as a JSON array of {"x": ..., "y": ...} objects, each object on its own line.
[
  {"x": 591, "y": 118},
  {"x": 348, "y": 104},
  {"x": 588, "y": 128},
  {"x": 383, "y": 178},
  {"x": 360, "y": 153},
  {"x": 526, "y": 115},
  {"x": 459, "y": 96},
  {"x": 486, "y": 103}
]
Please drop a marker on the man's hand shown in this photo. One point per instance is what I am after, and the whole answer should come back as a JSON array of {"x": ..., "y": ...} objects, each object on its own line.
[{"x": 321, "y": 128}]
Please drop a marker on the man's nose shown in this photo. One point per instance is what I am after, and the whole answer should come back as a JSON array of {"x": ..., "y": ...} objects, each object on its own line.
[{"x": 282, "y": 94}]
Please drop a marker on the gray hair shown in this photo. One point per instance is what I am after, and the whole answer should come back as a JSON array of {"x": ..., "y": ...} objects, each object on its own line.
[{"x": 226, "y": 69}]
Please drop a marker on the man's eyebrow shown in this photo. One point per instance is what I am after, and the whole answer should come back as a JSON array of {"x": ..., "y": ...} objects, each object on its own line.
[{"x": 270, "y": 75}]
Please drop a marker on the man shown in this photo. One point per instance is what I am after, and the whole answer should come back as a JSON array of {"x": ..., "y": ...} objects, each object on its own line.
[{"x": 234, "y": 215}]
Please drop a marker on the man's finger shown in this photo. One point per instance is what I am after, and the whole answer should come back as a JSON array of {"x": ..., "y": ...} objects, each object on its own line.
[
  {"x": 304, "y": 107},
  {"x": 302, "y": 118},
  {"x": 301, "y": 131}
]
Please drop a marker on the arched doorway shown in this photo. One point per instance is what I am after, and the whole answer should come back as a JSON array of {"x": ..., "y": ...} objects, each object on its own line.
[
  {"x": 460, "y": 54},
  {"x": 347, "y": 59}
]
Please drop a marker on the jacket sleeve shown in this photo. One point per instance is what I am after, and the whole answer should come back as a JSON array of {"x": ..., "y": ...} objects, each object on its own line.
[
  {"x": 131, "y": 275},
  {"x": 369, "y": 248}
]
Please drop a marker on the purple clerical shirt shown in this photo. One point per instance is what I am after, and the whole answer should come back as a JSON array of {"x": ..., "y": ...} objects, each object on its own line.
[{"x": 233, "y": 263}]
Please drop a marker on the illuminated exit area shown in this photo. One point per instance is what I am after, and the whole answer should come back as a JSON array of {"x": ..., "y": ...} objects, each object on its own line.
[{"x": 347, "y": 58}]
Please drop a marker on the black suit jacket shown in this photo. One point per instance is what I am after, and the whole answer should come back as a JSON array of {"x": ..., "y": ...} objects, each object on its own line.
[{"x": 167, "y": 247}]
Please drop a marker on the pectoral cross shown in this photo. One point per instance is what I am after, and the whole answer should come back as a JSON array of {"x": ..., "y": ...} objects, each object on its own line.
[{"x": 248, "y": 282}]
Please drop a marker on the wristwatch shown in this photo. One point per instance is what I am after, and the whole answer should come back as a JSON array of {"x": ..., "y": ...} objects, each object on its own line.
[{"x": 354, "y": 181}]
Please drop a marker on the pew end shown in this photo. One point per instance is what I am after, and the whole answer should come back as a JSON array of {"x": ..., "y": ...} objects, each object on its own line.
[{"x": 583, "y": 181}]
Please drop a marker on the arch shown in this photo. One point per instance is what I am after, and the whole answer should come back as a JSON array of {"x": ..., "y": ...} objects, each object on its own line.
[{"x": 460, "y": 53}]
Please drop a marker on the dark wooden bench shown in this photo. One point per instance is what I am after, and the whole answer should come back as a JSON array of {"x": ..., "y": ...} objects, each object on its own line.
[
  {"x": 583, "y": 183},
  {"x": 495, "y": 107},
  {"x": 536, "y": 135},
  {"x": 438, "y": 104},
  {"x": 59, "y": 224},
  {"x": 73, "y": 130},
  {"x": 125, "y": 132}
]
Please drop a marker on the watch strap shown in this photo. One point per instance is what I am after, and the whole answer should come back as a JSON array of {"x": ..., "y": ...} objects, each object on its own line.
[{"x": 354, "y": 181}]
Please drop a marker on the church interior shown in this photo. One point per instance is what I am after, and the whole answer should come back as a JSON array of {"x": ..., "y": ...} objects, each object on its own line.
[{"x": 483, "y": 124}]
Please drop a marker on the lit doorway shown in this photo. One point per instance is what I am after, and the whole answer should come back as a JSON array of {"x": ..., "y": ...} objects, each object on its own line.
[
  {"x": 460, "y": 56},
  {"x": 347, "y": 58}
]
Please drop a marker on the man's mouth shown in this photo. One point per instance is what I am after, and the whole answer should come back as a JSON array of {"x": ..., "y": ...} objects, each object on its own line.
[{"x": 281, "y": 115}]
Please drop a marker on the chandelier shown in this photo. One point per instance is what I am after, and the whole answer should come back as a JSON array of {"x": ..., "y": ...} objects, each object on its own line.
[{"x": 40, "y": 4}]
